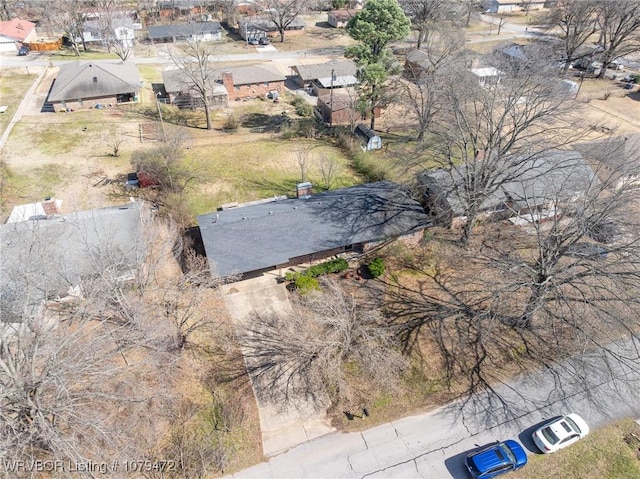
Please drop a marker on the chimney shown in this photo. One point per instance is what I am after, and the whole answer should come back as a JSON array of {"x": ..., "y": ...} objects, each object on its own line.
[
  {"x": 227, "y": 81},
  {"x": 303, "y": 190}
]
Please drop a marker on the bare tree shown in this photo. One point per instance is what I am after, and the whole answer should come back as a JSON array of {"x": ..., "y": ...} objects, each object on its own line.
[
  {"x": 112, "y": 25},
  {"x": 196, "y": 67},
  {"x": 283, "y": 13},
  {"x": 442, "y": 47},
  {"x": 304, "y": 158},
  {"x": 114, "y": 139},
  {"x": 619, "y": 24},
  {"x": 329, "y": 171},
  {"x": 578, "y": 21},
  {"x": 305, "y": 351},
  {"x": 69, "y": 17},
  {"x": 528, "y": 296},
  {"x": 485, "y": 137},
  {"x": 426, "y": 15}
]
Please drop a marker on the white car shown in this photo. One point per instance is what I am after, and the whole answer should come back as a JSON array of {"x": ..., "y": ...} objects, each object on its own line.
[{"x": 559, "y": 433}]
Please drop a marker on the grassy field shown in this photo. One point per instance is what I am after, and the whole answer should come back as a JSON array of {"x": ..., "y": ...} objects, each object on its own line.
[
  {"x": 14, "y": 84},
  {"x": 612, "y": 452}
]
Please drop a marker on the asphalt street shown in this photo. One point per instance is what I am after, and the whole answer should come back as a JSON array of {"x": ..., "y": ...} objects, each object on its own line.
[{"x": 434, "y": 445}]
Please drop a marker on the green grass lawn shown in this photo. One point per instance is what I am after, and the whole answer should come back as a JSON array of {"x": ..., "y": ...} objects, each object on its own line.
[
  {"x": 607, "y": 453},
  {"x": 255, "y": 170},
  {"x": 13, "y": 86}
]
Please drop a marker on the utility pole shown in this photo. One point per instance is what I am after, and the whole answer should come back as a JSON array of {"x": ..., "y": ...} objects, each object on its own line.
[
  {"x": 164, "y": 133},
  {"x": 331, "y": 100}
]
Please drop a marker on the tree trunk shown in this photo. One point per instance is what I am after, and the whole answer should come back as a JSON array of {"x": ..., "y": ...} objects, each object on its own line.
[
  {"x": 468, "y": 226},
  {"x": 538, "y": 291},
  {"x": 373, "y": 117},
  {"x": 282, "y": 35},
  {"x": 207, "y": 114}
]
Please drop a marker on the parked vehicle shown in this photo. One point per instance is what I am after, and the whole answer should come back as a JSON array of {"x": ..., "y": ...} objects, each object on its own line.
[
  {"x": 560, "y": 433},
  {"x": 496, "y": 459},
  {"x": 263, "y": 41},
  {"x": 253, "y": 41},
  {"x": 132, "y": 180},
  {"x": 24, "y": 50}
]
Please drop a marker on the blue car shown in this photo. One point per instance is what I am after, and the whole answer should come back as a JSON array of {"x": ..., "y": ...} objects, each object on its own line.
[{"x": 495, "y": 459}]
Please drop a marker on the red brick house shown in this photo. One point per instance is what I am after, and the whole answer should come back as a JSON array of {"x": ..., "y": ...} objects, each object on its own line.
[{"x": 251, "y": 81}]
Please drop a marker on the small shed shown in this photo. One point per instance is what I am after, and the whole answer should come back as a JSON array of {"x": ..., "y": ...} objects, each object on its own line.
[{"x": 370, "y": 139}]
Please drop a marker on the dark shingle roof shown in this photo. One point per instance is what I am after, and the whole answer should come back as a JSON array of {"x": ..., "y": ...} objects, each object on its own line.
[
  {"x": 262, "y": 236},
  {"x": 552, "y": 175},
  {"x": 44, "y": 258},
  {"x": 183, "y": 30},
  {"x": 82, "y": 80}
]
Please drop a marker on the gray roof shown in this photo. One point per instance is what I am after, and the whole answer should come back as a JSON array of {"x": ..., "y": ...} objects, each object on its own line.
[
  {"x": 183, "y": 29},
  {"x": 42, "y": 259},
  {"x": 251, "y": 238},
  {"x": 323, "y": 70},
  {"x": 338, "y": 81},
  {"x": 552, "y": 175},
  {"x": 266, "y": 24},
  {"x": 82, "y": 80},
  {"x": 247, "y": 75},
  {"x": 174, "y": 82},
  {"x": 251, "y": 74},
  {"x": 364, "y": 131},
  {"x": 620, "y": 152}
]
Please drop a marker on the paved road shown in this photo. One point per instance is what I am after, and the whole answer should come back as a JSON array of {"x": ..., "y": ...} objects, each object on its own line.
[{"x": 433, "y": 445}]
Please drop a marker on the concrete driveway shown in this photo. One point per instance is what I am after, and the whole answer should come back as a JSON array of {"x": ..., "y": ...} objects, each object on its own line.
[{"x": 284, "y": 424}]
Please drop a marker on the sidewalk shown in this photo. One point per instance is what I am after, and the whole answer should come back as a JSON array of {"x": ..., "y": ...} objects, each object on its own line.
[{"x": 284, "y": 424}]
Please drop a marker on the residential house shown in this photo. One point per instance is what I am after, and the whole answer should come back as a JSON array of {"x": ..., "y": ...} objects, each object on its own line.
[
  {"x": 512, "y": 6},
  {"x": 251, "y": 81},
  {"x": 33, "y": 211},
  {"x": 45, "y": 259},
  {"x": 86, "y": 84},
  {"x": 182, "y": 94},
  {"x": 203, "y": 31},
  {"x": 172, "y": 9},
  {"x": 415, "y": 64},
  {"x": 254, "y": 28},
  {"x": 122, "y": 29},
  {"x": 487, "y": 76},
  {"x": 339, "y": 108},
  {"x": 542, "y": 183},
  {"x": 15, "y": 32},
  {"x": 369, "y": 138},
  {"x": 340, "y": 18},
  {"x": 614, "y": 159},
  {"x": 320, "y": 78},
  {"x": 251, "y": 239}
]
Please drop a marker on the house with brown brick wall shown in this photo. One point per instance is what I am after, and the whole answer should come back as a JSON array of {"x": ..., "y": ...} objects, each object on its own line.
[
  {"x": 340, "y": 18},
  {"x": 251, "y": 81}
]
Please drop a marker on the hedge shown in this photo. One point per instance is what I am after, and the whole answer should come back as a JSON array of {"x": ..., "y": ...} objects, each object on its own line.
[
  {"x": 376, "y": 267},
  {"x": 333, "y": 266}
]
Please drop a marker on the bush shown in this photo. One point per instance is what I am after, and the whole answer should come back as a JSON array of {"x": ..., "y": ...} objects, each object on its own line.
[
  {"x": 305, "y": 283},
  {"x": 302, "y": 107},
  {"x": 376, "y": 267},
  {"x": 231, "y": 123},
  {"x": 333, "y": 266}
]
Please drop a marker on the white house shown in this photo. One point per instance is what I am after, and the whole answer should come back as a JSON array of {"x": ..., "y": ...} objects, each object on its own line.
[
  {"x": 511, "y": 6},
  {"x": 123, "y": 29}
]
